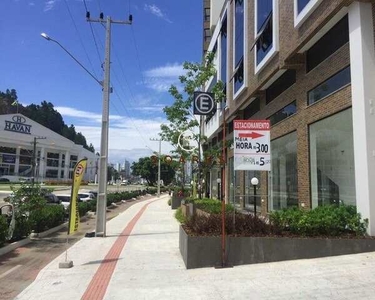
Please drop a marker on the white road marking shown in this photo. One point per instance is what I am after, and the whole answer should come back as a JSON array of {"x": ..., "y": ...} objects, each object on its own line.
[{"x": 10, "y": 271}]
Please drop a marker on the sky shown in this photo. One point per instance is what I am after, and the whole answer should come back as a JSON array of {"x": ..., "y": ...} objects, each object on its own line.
[{"x": 146, "y": 58}]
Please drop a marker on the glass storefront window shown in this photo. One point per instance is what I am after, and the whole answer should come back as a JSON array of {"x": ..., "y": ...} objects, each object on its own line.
[
  {"x": 283, "y": 177},
  {"x": 332, "y": 160}
]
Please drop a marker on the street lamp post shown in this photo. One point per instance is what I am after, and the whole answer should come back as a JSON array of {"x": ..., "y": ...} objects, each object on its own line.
[
  {"x": 255, "y": 182},
  {"x": 101, "y": 209},
  {"x": 158, "y": 140}
]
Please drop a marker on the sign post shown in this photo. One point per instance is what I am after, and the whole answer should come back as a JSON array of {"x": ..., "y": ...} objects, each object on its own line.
[{"x": 252, "y": 149}]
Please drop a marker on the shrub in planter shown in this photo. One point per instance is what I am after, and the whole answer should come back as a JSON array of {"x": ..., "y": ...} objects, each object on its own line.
[
  {"x": 329, "y": 220},
  {"x": 3, "y": 230},
  {"x": 48, "y": 217},
  {"x": 211, "y": 206},
  {"x": 22, "y": 228},
  {"x": 179, "y": 216},
  {"x": 92, "y": 205},
  {"x": 83, "y": 208},
  {"x": 245, "y": 225}
]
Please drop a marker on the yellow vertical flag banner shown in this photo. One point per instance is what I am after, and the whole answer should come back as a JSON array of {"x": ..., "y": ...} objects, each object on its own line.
[{"x": 79, "y": 171}]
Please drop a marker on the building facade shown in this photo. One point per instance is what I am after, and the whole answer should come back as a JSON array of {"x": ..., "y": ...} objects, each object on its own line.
[
  {"x": 307, "y": 66},
  {"x": 55, "y": 155}
]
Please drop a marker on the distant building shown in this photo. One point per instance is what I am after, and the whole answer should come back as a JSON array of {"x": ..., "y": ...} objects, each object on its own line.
[
  {"x": 127, "y": 168},
  {"x": 55, "y": 155}
]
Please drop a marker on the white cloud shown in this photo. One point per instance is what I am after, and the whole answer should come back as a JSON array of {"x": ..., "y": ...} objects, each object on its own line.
[
  {"x": 152, "y": 8},
  {"x": 31, "y": 3},
  {"x": 169, "y": 70},
  {"x": 128, "y": 137},
  {"x": 48, "y": 5},
  {"x": 161, "y": 78},
  {"x": 72, "y": 112}
]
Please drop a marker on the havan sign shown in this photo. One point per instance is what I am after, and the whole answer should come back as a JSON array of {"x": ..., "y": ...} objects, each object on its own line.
[{"x": 18, "y": 125}]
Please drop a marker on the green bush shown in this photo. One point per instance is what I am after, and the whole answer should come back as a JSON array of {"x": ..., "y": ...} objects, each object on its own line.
[
  {"x": 242, "y": 225},
  {"x": 22, "y": 228},
  {"x": 48, "y": 217},
  {"x": 3, "y": 230},
  {"x": 179, "y": 216},
  {"x": 211, "y": 206},
  {"x": 329, "y": 220},
  {"x": 83, "y": 208}
]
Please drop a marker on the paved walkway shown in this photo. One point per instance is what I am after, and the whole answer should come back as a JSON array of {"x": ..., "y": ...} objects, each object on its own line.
[{"x": 140, "y": 259}]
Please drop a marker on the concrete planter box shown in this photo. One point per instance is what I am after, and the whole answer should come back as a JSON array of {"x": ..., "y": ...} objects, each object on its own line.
[
  {"x": 198, "y": 252},
  {"x": 176, "y": 201}
]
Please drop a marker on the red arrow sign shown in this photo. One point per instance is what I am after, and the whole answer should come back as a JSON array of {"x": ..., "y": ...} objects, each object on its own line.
[{"x": 252, "y": 135}]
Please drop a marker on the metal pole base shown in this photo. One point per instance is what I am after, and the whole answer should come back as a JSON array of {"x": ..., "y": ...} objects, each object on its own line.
[{"x": 66, "y": 264}]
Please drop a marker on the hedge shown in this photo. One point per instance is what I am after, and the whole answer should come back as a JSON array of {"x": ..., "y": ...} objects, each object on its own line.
[{"x": 3, "y": 230}]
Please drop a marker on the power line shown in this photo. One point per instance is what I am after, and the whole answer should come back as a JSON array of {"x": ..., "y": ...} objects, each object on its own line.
[
  {"x": 130, "y": 118},
  {"x": 137, "y": 53},
  {"x": 79, "y": 36},
  {"x": 93, "y": 35},
  {"x": 100, "y": 7}
]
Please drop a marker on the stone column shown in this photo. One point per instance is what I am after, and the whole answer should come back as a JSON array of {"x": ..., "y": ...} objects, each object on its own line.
[
  {"x": 42, "y": 164},
  {"x": 67, "y": 163},
  {"x": 362, "y": 62}
]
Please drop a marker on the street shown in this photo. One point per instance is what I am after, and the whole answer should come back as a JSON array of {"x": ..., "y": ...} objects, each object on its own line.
[{"x": 84, "y": 189}]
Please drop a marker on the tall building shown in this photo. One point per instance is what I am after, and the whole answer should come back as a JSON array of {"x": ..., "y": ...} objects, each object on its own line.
[
  {"x": 307, "y": 66},
  {"x": 127, "y": 168}
]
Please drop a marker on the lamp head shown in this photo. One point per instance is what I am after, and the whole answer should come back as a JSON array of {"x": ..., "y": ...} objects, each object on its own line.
[
  {"x": 44, "y": 35},
  {"x": 218, "y": 180},
  {"x": 254, "y": 181}
]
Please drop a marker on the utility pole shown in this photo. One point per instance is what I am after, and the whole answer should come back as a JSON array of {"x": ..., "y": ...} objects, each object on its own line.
[
  {"x": 101, "y": 205},
  {"x": 33, "y": 167},
  {"x": 159, "y": 156}
]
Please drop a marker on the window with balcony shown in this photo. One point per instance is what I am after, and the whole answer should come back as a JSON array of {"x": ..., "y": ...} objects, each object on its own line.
[
  {"x": 332, "y": 41},
  {"x": 265, "y": 31},
  {"x": 283, "y": 113},
  {"x": 303, "y": 9},
  {"x": 238, "y": 45},
  {"x": 301, "y": 4},
  {"x": 284, "y": 82},
  {"x": 223, "y": 51},
  {"x": 206, "y": 14},
  {"x": 251, "y": 109},
  {"x": 330, "y": 86}
]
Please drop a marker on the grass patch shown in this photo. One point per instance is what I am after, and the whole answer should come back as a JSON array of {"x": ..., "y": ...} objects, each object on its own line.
[{"x": 179, "y": 216}]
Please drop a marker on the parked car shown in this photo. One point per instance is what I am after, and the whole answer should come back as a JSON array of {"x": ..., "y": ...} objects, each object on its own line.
[
  {"x": 95, "y": 193},
  {"x": 65, "y": 200},
  {"x": 51, "y": 198},
  {"x": 86, "y": 196},
  {"x": 3, "y": 179}
]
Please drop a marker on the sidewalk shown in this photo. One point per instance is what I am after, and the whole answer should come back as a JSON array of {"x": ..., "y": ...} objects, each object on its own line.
[{"x": 140, "y": 259}]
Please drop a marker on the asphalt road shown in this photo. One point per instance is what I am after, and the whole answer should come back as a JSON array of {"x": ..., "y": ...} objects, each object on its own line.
[{"x": 19, "y": 268}]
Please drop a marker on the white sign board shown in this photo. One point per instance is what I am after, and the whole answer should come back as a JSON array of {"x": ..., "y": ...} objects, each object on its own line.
[{"x": 252, "y": 149}]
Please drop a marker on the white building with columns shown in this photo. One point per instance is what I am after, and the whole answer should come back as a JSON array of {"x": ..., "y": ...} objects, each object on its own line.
[{"x": 55, "y": 155}]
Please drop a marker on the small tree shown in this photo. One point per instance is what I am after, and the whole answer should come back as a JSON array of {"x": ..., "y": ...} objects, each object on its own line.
[
  {"x": 28, "y": 198},
  {"x": 180, "y": 115},
  {"x": 148, "y": 169}
]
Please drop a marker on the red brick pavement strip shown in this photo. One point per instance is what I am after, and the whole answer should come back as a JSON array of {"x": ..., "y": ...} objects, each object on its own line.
[{"x": 99, "y": 283}]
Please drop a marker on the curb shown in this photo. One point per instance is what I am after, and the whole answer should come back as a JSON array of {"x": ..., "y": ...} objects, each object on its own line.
[
  {"x": 33, "y": 236},
  {"x": 15, "y": 245}
]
